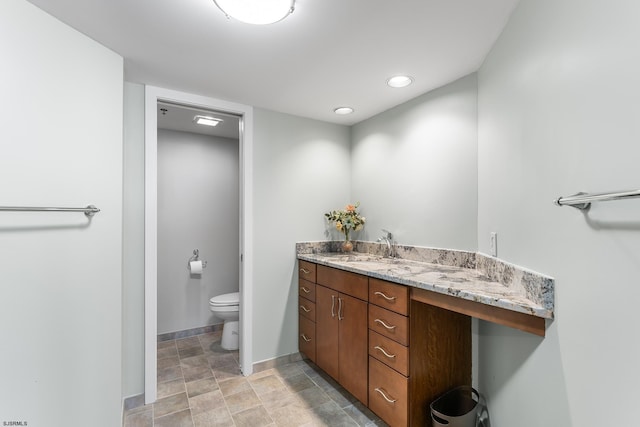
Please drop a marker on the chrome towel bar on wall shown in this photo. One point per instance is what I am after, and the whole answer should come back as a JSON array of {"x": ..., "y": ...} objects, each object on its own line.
[
  {"x": 583, "y": 200},
  {"x": 88, "y": 211}
]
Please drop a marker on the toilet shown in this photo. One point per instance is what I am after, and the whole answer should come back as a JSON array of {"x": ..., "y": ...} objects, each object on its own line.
[{"x": 226, "y": 307}]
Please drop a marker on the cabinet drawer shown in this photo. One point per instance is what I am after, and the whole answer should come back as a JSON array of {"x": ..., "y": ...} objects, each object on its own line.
[
  {"x": 346, "y": 282},
  {"x": 307, "y": 289},
  {"x": 391, "y": 325},
  {"x": 389, "y": 352},
  {"x": 307, "y": 338},
  {"x": 388, "y": 394},
  {"x": 307, "y": 309},
  {"x": 307, "y": 270},
  {"x": 389, "y": 295}
]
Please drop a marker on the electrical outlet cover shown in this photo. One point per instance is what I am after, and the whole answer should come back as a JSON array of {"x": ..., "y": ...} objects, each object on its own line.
[{"x": 493, "y": 244}]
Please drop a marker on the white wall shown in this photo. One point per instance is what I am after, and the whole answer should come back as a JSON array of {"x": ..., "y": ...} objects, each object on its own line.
[
  {"x": 558, "y": 114},
  {"x": 301, "y": 169},
  {"x": 133, "y": 242},
  {"x": 60, "y": 274},
  {"x": 198, "y": 208},
  {"x": 414, "y": 169}
]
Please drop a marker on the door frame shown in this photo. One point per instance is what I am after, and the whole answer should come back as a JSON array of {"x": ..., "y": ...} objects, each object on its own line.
[{"x": 152, "y": 96}]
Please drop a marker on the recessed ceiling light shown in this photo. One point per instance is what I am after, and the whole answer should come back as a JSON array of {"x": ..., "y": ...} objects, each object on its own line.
[
  {"x": 399, "y": 81},
  {"x": 258, "y": 12},
  {"x": 343, "y": 110},
  {"x": 206, "y": 120}
]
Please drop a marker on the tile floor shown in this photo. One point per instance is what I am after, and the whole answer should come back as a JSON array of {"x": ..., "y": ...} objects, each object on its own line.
[{"x": 200, "y": 385}]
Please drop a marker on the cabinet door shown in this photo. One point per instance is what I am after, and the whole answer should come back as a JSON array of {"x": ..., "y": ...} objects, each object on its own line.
[
  {"x": 353, "y": 346},
  {"x": 327, "y": 331}
]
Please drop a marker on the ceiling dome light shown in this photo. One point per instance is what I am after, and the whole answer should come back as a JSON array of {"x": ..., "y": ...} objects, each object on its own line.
[
  {"x": 399, "y": 81},
  {"x": 343, "y": 110},
  {"x": 257, "y": 12}
]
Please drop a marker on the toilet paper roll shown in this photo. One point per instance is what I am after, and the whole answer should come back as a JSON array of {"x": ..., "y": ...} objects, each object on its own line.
[{"x": 195, "y": 267}]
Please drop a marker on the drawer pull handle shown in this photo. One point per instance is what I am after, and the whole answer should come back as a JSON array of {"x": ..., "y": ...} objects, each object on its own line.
[
  {"x": 385, "y": 325},
  {"x": 340, "y": 317},
  {"x": 305, "y": 290},
  {"x": 379, "y": 390},
  {"x": 306, "y": 310},
  {"x": 304, "y": 337},
  {"x": 384, "y": 296},
  {"x": 305, "y": 271},
  {"x": 333, "y": 303},
  {"x": 390, "y": 356}
]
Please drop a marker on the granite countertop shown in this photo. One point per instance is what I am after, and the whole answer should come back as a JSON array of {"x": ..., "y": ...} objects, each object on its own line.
[{"x": 531, "y": 294}]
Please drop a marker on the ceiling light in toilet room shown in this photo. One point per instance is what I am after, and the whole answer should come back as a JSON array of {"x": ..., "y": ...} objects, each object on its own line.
[
  {"x": 399, "y": 81},
  {"x": 258, "y": 12},
  {"x": 206, "y": 120},
  {"x": 343, "y": 110}
]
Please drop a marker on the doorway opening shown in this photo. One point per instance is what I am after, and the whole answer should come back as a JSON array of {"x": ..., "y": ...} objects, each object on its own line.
[
  {"x": 198, "y": 222},
  {"x": 244, "y": 114}
]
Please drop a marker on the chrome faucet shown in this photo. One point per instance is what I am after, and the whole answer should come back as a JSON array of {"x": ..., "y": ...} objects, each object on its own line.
[{"x": 388, "y": 239}]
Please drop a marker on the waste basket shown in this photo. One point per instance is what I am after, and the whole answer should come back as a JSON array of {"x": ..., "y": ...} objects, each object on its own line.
[{"x": 456, "y": 408}]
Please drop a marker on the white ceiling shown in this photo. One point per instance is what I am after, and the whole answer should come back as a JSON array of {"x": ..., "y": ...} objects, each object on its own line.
[{"x": 328, "y": 53}]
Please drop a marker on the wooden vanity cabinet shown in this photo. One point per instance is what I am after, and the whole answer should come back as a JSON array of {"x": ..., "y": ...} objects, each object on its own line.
[
  {"x": 388, "y": 351},
  {"x": 341, "y": 328},
  {"x": 393, "y": 353},
  {"x": 307, "y": 309},
  {"x": 417, "y": 352}
]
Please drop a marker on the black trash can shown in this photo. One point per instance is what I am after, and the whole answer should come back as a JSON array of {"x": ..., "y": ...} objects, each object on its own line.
[{"x": 456, "y": 408}]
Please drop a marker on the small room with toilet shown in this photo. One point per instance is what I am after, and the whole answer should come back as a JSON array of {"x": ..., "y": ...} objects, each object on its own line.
[{"x": 198, "y": 226}]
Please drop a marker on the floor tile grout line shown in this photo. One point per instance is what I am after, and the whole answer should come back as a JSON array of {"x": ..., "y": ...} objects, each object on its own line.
[
  {"x": 260, "y": 399},
  {"x": 185, "y": 390},
  {"x": 226, "y": 406}
]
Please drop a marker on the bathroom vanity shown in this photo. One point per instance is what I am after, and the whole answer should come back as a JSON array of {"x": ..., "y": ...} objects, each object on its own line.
[{"x": 396, "y": 333}]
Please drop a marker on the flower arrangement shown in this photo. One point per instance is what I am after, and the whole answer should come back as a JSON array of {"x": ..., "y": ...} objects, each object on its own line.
[{"x": 347, "y": 219}]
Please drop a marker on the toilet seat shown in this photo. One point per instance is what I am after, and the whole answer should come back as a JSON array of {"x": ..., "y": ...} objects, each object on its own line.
[
  {"x": 224, "y": 308},
  {"x": 225, "y": 300}
]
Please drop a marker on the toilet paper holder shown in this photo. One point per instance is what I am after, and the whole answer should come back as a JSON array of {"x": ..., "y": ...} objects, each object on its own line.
[{"x": 195, "y": 257}]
